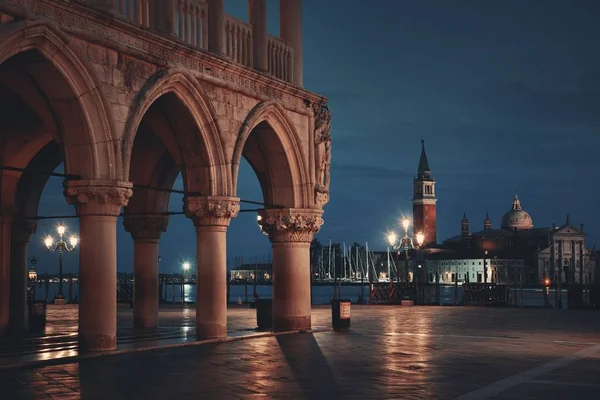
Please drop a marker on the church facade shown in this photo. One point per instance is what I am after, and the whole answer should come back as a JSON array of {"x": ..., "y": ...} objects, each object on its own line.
[
  {"x": 546, "y": 254},
  {"x": 552, "y": 254}
]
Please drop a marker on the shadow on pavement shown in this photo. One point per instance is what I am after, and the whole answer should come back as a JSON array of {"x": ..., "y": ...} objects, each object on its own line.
[{"x": 306, "y": 360}]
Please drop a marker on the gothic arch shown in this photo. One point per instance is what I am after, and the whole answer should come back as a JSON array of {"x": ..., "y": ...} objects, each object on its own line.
[
  {"x": 189, "y": 92},
  {"x": 284, "y": 156},
  {"x": 84, "y": 120}
]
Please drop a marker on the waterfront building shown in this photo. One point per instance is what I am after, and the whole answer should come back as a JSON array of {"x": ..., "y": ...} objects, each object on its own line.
[
  {"x": 539, "y": 253},
  {"x": 262, "y": 272}
]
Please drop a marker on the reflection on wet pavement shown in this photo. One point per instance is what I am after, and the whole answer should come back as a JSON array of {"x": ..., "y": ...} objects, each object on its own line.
[
  {"x": 59, "y": 339},
  {"x": 390, "y": 352}
]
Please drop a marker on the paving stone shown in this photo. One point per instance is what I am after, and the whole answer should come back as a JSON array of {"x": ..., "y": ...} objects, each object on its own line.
[{"x": 390, "y": 353}]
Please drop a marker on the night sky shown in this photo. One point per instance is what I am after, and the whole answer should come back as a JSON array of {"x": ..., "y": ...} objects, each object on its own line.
[{"x": 506, "y": 95}]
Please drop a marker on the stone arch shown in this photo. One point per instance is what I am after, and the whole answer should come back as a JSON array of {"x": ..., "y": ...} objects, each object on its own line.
[
  {"x": 84, "y": 121},
  {"x": 282, "y": 155},
  {"x": 188, "y": 91}
]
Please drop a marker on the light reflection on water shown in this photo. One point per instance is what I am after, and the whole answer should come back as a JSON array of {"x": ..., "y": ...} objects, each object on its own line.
[{"x": 321, "y": 294}]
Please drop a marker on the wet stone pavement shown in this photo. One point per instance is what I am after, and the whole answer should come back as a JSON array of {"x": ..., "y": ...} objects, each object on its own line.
[{"x": 389, "y": 353}]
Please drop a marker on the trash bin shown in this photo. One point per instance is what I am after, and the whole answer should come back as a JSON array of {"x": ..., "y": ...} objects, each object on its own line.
[
  {"x": 264, "y": 313},
  {"x": 340, "y": 314},
  {"x": 37, "y": 315}
]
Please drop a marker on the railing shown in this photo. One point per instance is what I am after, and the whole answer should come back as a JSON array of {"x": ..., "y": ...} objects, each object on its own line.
[
  {"x": 136, "y": 11},
  {"x": 191, "y": 24},
  {"x": 238, "y": 41},
  {"x": 280, "y": 56}
]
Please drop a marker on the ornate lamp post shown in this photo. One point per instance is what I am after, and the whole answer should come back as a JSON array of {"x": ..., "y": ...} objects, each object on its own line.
[
  {"x": 60, "y": 246},
  {"x": 405, "y": 243}
]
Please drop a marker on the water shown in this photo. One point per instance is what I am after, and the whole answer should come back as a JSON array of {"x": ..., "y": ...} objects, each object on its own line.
[{"x": 321, "y": 294}]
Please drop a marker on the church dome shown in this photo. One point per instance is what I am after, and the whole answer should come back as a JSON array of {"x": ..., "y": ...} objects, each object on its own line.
[{"x": 516, "y": 219}]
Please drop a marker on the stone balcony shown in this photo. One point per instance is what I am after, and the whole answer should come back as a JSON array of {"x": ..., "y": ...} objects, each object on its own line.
[{"x": 201, "y": 25}]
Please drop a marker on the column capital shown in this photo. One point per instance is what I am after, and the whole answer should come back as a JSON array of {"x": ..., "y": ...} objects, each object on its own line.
[
  {"x": 22, "y": 229},
  {"x": 291, "y": 224},
  {"x": 211, "y": 210},
  {"x": 146, "y": 226},
  {"x": 98, "y": 197}
]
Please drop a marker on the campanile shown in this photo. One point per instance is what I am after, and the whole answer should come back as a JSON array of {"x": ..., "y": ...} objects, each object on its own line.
[{"x": 424, "y": 213}]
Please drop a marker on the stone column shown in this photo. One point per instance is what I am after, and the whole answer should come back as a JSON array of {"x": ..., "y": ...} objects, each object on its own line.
[
  {"x": 145, "y": 231},
  {"x": 98, "y": 203},
  {"x": 290, "y": 30},
  {"x": 163, "y": 17},
  {"x": 211, "y": 217},
  {"x": 258, "y": 19},
  {"x": 5, "y": 222},
  {"x": 290, "y": 232},
  {"x": 21, "y": 234},
  {"x": 216, "y": 27}
]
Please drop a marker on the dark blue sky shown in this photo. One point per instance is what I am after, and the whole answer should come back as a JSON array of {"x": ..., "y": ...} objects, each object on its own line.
[{"x": 506, "y": 95}]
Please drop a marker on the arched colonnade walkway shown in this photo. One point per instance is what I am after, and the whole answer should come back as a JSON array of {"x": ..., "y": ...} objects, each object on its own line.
[{"x": 123, "y": 144}]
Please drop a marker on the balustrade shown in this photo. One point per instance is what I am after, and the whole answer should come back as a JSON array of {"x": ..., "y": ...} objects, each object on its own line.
[
  {"x": 238, "y": 41},
  {"x": 280, "y": 58},
  {"x": 136, "y": 11},
  {"x": 191, "y": 24},
  {"x": 188, "y": 20}
]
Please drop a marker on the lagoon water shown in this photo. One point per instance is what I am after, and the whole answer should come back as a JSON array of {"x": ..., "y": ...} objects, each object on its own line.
[{"x": 321, "y": 294}]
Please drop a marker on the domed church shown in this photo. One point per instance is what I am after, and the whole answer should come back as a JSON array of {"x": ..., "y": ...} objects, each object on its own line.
[
  {"x": 516, "y": 219},
  {"x": 547, "y": 253}
]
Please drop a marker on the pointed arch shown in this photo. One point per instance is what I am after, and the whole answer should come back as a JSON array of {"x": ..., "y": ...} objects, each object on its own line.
[
  {"x": 286, "y": 144},
  {"x": 85, "y": 122},
  {"x": 188, "y": 91}
]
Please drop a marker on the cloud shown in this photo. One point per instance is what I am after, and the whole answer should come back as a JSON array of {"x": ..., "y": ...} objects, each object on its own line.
[{"x": 370, "y": 171}]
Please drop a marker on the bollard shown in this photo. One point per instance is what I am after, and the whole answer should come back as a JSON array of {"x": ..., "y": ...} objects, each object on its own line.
[
  {"x": 340, "y": 314},
  {"x": 264, "y": 313}
]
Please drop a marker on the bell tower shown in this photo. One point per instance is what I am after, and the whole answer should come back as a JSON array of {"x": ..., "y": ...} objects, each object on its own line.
[{"x": 424, "y": 213}]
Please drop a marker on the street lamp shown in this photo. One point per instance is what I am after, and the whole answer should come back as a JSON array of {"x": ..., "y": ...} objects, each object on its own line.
[
  {"x": 405, "y": 242},
  {"x": 185, "y": 266},
  {"x": 60, "y": 246},
  {"x": 260, "y": 226}
]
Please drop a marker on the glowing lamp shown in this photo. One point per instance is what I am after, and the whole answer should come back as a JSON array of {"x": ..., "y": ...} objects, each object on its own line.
[
  {"x": 74, "y": 241},
  {"x": 392, "y": 238},
  {"x": 60, "y": 229},
  {"x": 405, "y": 223},
  {"x": 48, "y": 242},
  {"x": 186, "y": 266},
  {"x": 420, "y": 238}
]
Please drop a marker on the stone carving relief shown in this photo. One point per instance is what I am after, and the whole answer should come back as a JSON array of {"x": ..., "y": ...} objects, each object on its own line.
[
  {"x": 146, "y": 226},
  {"x": 322, "y": 152},
  {"x": 211, "y": 210},
  {"x": 287, "y": 226},
  {"x": 98, "y": 197}
]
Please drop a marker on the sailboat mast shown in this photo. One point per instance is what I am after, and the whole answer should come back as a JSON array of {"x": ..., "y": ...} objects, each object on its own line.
[{"x": 388, "y": 265}]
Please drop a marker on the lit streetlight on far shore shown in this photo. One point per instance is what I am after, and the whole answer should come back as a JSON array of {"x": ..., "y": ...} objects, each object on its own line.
[{"x": 61, "y": 246}]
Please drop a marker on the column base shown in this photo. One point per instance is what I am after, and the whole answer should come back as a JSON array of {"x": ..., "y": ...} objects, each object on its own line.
[
  {"x": 60, "y": 301},
  {"x": 92, "y": 343},
  {"x": 210, "y": 331},
  {"x": 283, "y": 324}
]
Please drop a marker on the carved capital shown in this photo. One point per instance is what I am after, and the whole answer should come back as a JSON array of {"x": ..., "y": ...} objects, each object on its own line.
[
  {"x": 290, "y": 225},
  {"x": 321, "y": 196},
  {"x": 22, "y": 229},
  {"x": 98, "y": 197},
  {"x": 211, "y": 210},
  {"x": 146, "y": 226}
]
